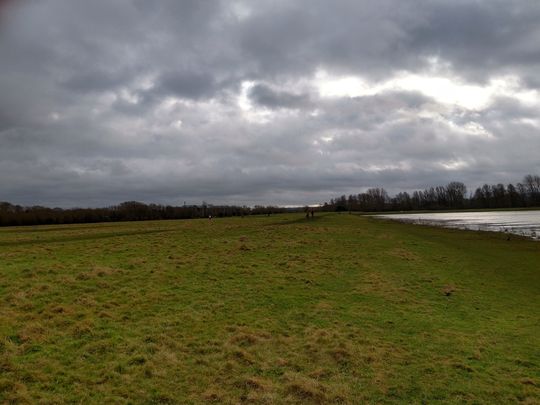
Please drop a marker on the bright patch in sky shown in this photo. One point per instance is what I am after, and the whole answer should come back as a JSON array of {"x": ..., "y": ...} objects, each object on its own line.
[
  {"x": 454, "y": 164},
  {"x": 240, "y": 10},
  {"x": 348, "y": 86},
  {"x": 444, "y": 90},
  {"x": 447, "y": 90}
]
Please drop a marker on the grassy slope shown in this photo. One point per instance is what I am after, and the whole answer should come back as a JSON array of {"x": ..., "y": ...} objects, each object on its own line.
[{"x": 343, "y": 308}]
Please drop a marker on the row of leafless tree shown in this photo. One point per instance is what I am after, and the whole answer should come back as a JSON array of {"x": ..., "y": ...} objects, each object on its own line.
[{"x": 452, "y": 196}]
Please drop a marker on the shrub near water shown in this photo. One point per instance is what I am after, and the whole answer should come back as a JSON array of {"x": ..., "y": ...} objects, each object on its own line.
[{"x": 339, "y": 309}]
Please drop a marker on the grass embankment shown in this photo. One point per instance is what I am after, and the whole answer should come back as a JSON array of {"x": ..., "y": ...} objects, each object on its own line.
[{"x": 276, "y": 309}]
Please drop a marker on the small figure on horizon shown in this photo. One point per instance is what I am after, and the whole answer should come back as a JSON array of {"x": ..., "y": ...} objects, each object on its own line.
[{"x": 312, "y": 213}]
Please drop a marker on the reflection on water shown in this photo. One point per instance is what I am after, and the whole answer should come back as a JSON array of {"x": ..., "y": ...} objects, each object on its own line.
[{"x": 525, "y": 223}]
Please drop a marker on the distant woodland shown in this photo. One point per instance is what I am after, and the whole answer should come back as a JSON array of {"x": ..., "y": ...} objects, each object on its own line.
[
  {"x": 453, "y": 196},
  {"x": 14, "y": 215}
]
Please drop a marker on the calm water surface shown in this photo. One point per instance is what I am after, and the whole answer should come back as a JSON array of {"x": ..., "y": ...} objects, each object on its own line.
[{"x": 525, "y": 223}]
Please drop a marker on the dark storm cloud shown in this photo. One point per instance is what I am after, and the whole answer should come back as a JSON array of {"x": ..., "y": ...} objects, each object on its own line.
[
  {"x": 484, "y": 37},
  {"x": 301, "y": 36},
  {"x": 375, "y": 38},
  {"x": 267, "y": 97},
  {"x": 187, "y": 100},
  {"x": 94, "y": 81},
  {"x": 370, "y": 112},
  {"x": 193, "y": 85}
]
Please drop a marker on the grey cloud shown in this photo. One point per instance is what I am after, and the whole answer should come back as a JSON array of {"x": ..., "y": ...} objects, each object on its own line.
[{"x": 506, "y": 109}]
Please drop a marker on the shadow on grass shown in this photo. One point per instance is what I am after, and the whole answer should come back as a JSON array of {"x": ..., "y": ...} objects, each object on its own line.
[
  {"x": 75, "y": 238},
  {"x": 58, "y": 227},
  {"x": 301, "y": 220}
]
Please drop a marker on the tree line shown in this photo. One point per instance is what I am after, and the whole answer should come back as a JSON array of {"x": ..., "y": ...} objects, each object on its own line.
[
  {"x": 453, "y": 196},
  {"x": 16, "y": 215}
]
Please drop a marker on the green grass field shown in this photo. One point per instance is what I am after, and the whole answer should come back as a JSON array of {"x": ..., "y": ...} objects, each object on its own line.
[{"x": 339, "y": 309}]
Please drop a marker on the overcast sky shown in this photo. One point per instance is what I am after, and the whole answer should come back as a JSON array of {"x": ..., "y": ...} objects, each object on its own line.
[{"x": 263, "y": 102}]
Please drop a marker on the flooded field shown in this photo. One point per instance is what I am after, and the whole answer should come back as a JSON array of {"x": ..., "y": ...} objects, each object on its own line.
[{"x": 524, "y": 223}]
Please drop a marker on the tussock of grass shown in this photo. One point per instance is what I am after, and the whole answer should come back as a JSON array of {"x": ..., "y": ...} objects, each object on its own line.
[{"x": 267, "y": 310}]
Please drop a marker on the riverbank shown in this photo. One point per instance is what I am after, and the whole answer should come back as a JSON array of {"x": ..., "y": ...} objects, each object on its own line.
[
  {"x": 521, "y": 223},
  {"x": 341, "y": 308}
]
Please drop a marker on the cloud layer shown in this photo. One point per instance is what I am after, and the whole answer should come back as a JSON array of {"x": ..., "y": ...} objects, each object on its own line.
[{"x": 267, "y": 102}]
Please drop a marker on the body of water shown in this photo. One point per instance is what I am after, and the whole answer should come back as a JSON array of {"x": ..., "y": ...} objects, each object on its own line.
[{"x": 524, "y": 223}]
